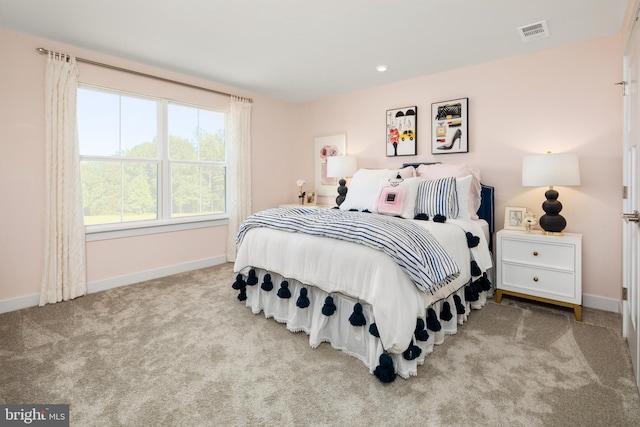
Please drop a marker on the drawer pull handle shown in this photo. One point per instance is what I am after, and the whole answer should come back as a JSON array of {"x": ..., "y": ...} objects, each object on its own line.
[
  {"x": 535, "y": 253},
  {"x": 535, "y": 278}
]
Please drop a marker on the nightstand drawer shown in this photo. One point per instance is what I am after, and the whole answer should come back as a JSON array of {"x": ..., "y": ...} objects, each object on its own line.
[
  {"x": 554, "y": 284},
  {"x": 539, "y": 253}
]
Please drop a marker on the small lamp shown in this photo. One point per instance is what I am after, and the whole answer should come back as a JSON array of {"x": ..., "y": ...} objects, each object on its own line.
[
  {"x": 341, "y": 167},
  {"x": 549, "y": 170}
]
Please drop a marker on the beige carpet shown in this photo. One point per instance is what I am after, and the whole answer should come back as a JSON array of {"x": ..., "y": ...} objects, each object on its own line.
[{"x": 183, "y": 351}]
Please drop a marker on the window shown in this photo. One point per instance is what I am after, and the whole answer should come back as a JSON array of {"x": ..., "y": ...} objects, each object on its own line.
[{"x": 147, "y": 161}]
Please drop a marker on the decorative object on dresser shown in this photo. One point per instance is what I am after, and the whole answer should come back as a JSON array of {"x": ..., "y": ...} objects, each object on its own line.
[
  {"x": 514, "y": 218},
  {"x": 402, "y": 132},
  {"x": 450, "y": 126},
  {"x": 540, "y": 267},
  {"x": 310, "y": 198},
  {"x": 341, "y": 167},
  {"x": 300, "y": 183},
  {"x": 548, "y": 170}
]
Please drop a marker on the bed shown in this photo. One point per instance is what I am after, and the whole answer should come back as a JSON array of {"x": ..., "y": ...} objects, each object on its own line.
[{"x": 401, "y": 264}]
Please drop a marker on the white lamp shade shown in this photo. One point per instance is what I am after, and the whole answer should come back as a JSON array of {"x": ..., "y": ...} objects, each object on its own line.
[
  {"x": 341, "y": 166},
  {"x": 550, "y": 169}
]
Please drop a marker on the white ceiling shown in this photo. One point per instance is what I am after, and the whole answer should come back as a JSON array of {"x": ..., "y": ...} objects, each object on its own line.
[{"x": 303, "y": 50}]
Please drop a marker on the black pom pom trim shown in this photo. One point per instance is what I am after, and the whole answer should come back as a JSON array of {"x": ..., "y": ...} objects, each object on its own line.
[
  {"x": 373, "y": 330},
  {"x": 412, "y": 352},
  {"x": 329, "y": 307},
  {"x": 459, "y": 306},
  {"x": 445, "y": 313},
  {"x": 357, "y": 318},
  {"x": 422, "y": 217},
  {"x": 252, "y": 279},
  {"x": 472, "y": 241},
  {"x": 485, "y": 282},
  {"x": 284, "y": 291},
  {"x": 475, "y": 270},
  {"x": 421, "y": 333},
  {"x": 239, "y": 283},
  {"x": 303, "y": 299},
  {"x": 470, "y": 294},
  {"x": 432, "y": 321},
  {"x": 439, "y": 218},
  {"x": 267, "y": 284},
  {"x": 385, "y": 371}
]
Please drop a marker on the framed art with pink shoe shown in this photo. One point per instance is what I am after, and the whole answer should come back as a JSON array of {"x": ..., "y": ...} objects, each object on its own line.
[{"x": 450, "y": 126}]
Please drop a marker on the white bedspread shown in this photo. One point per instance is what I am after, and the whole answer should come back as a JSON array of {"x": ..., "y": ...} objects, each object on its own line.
[{"x": 362, "y": 272}]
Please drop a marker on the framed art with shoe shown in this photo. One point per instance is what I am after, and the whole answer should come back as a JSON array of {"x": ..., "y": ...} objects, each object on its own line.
[{"x": 450, "y": 126}]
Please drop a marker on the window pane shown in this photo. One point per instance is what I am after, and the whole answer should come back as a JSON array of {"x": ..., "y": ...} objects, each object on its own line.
[
  {"x": 140, "y": 191},
  {"x": 139, "y": 119},
  {"x": 98, "y": 123},
  {"x": 117, "y": 125},
  {"x": 101, "y": 192},
  {"x": 197, "y": 189},
  {"x": 195, "y": 134},
  {"x": 118, "y": 191}
]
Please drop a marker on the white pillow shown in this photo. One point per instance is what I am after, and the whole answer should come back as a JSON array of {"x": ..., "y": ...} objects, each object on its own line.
[
  {"x": 399, "y": 198},
  {"x": 444, "y": 170},
  {"x": 364, "y": 189},
  {"x": 407, "y": 172},
  {"x": 462, "y": 189}
]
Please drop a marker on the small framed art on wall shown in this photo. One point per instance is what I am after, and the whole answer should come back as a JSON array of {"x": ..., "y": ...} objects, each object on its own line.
[
  {"x": 402, "y": 133},
  {"x": 450, "y": 126}
]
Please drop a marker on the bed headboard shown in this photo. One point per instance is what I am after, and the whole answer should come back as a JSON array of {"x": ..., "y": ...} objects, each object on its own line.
[{"x": 487, "y": 202}]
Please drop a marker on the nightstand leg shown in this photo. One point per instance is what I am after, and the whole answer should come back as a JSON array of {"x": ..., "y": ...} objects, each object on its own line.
[
  {"x": 577, "y": 309},
  {"x": 498, "y": 296}
]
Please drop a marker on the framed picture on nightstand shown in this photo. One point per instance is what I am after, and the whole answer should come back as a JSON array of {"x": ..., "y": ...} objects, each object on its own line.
[
  {"x": 310, "y": 198},
  {"x": 514, "y": 218}
]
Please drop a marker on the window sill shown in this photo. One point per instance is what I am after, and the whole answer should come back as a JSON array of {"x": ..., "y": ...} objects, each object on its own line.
[{"x": 117, "y": 231}]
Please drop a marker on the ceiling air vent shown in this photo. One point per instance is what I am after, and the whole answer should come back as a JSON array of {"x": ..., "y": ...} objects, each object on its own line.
[{"x": 536, "y": 31}]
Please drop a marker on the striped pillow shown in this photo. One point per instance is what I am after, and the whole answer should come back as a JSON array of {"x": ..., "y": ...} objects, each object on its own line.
[{"x": 438, "y": 197}]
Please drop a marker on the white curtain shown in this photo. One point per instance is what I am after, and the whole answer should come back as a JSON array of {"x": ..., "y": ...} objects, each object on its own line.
[
  {"x": 64, "y": 273},
  {"x": 239, "y": 169}
]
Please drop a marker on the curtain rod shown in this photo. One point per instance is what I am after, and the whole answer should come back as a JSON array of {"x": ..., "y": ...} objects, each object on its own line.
[{"x": 44, "y": 51}]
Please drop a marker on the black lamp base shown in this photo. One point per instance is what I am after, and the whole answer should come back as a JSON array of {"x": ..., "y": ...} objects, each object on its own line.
[
  {"x": 552, "y": 222},
  {"x": 342, "y": 192}
]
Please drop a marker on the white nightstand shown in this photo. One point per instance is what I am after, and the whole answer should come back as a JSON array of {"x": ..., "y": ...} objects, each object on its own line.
[{"x": 540, "y": 267}]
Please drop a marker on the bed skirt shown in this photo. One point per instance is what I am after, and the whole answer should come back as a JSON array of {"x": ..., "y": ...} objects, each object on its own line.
[{"x": 339, "y": 331}]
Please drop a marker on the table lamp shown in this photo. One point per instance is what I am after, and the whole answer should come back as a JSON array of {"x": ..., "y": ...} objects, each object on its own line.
[
  {"x": 341, "y": 167},
  {"x": 549, "y": 170}
]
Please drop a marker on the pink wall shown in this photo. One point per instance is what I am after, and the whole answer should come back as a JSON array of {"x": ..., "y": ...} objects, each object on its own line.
[
  {"x": 559, "y": 100},
  {"x": 22, "y": 168}
]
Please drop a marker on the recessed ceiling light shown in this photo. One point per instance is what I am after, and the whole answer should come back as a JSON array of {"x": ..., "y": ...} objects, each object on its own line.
[{"x": 381, "y": 68}]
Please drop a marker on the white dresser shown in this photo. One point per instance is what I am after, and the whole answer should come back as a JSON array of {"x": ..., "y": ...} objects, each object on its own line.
[{"x": 540, "y": 267}]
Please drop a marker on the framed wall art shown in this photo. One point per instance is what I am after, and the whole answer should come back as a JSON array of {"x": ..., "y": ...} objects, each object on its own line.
[
  {"x": 514, "y": 218},
  {"x": 402, "y": 133},
  {"x": 323, "y": 147},
  {"x": 450, "y": 126}
]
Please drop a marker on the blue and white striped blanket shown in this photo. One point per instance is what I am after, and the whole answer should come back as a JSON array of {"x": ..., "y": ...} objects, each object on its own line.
[{"x": 414, "y": 249}]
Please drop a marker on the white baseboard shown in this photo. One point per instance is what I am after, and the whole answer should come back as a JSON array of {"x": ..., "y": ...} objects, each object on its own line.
[
  {"x": 129, "y": 279},
  {"x": 115, "y": 282},
  {"x": 18, "y": 303},
  {"x": 601, "y": 303},
  {"x": 591, "y": 301}
]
